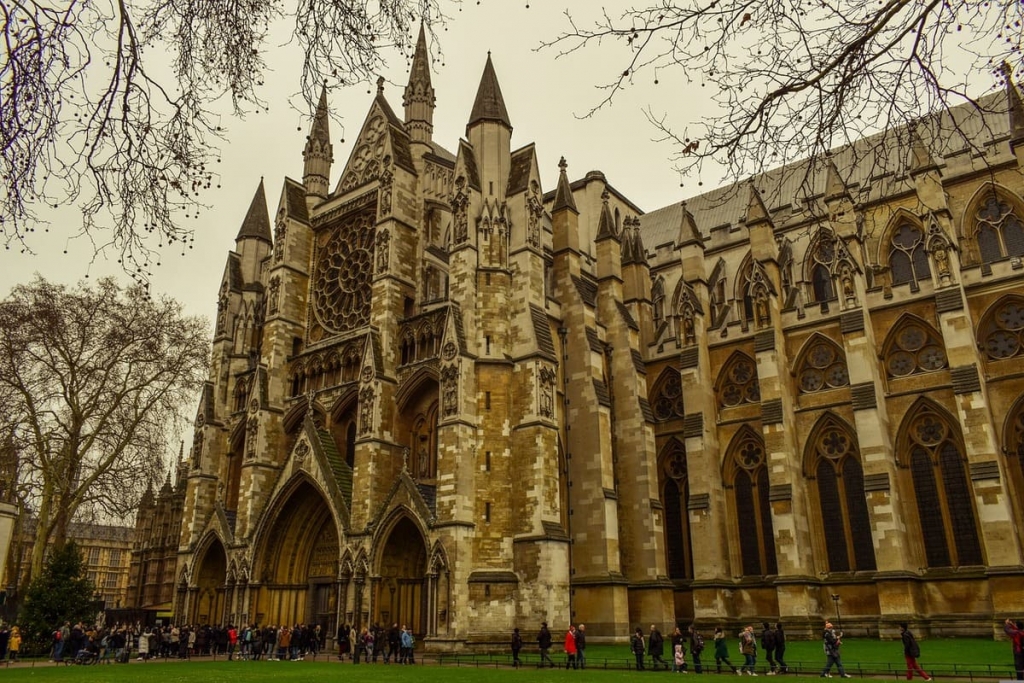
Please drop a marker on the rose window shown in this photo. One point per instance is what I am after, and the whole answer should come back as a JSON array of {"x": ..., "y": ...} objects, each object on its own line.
[
  {"x": 1003, "y": 334},
  {"x": 740, "y": 385},
  {"x": 823, "y": 368},
  {"x": 675, "y": 465},
  {"x": 750, "y": 454},
  {"x": 344, "y": 265},
  {"x": 834, "y": 443},
  {"x": 914, "y": 348},
  {"x": 669, "y": 402}
]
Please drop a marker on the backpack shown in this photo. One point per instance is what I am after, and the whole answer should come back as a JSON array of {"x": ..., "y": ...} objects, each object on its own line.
[{"x": 698, "y": 642}]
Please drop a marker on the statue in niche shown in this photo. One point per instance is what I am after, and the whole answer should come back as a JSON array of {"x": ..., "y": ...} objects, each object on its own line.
[
  {"x": 941, "y": 255},
  {"x": 460, "y": 201},
  {"x": 534, "y": 211},
  {"x": 424, "y": 457},
  {"x": 763, "y": 315},
  {"x": 383, "y": 247},
  {"x": 849, "y": 293},
  {"x": 387, "y": 179},
  {"x": 689, "y": 334}
]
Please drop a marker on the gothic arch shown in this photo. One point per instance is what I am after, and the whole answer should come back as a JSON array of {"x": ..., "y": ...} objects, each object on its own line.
[
  {"x": 658, "y": 299},
  {"x": 904, "y": 250},
  {"x": 745, "y": 474},
  {"x": 416, "y": 422},
  {"x": 717, "y": 294},
  {"x": 673, "y": 484},
  {"x": 913, "y": 346},
  {"x": 411, "y": 386},
  {"x": 208, "y": 604},
  {"x": 930, "y": 451},
  {"x": 400, "y": 561},
  {"x": 832, "y": 462},
  {"x": 348, "y": 400},
  {"x": 1013, "y": 449},
  {"x": 737, "y": 383},
  {"x": 666, "y": 397},
  {"x": 1001, "y": 329},
  {"x": 821, "y": 365},
  {"x": 993, "y": 225}
]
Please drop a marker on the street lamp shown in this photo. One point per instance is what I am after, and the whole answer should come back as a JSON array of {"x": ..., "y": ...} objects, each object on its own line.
[{"x": 839, "y": 619}]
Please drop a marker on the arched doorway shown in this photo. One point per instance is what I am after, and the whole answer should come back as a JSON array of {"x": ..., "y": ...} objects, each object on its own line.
[
  {"x": 401, "y": 597},
  {"x": 208, "y": 605},
  {"x": 298, "y": 564}
]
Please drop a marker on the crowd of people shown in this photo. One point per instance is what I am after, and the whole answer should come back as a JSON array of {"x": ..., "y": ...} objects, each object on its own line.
[{"x": 83, "y": 644}]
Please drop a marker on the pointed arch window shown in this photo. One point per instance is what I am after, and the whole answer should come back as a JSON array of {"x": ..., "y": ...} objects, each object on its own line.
[
  {"x": 675, "y": 498},
  {"x": 668, "y": 396},
  {"x": 738, "y": 382},
  {"x": 822, "y": 367},
  {"x": 913, "y": 347},
  {"x": 752, "y": 508},
  {"x": 999, "y": 230},
  {"x": 658, "y": 299},
  {"x": 844, "y": 511},
  {"x": 821, "y": 283},
  {"x": 423, "y": 449},
  {"x": 908, "y": 260},
  {"x": 1001, "y": 332},
  {"x": 934, "y": 454}
]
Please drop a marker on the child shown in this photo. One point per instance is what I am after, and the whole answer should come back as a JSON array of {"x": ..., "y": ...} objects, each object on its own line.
[{"x": 678, "y": 658}]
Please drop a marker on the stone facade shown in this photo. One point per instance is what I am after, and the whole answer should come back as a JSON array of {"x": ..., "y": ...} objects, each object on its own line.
[{"x": 443, "y": 397}]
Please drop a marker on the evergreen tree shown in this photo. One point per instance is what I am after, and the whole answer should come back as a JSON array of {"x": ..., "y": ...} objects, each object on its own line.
[{"x": 61, "y": 592}]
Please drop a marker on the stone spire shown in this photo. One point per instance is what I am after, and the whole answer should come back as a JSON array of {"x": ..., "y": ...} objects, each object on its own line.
[
  {"x": 757, "y": 212},
  {"x": 639, "y": 251},
  {"x": 489, "y": 104},
  {"x": 419, "y": 94},
  {"x": 563, "y": 193},
  {"x": 921, "y": 159},
  {"x": 257, "y": 221},
  {"x": 318, "y": 153},
  {"x": 1016, "y": 108},
  {"x": 606, "y": 223},
  {"x": 835, "y": 186},
  {"x": 688, "y": 230}
]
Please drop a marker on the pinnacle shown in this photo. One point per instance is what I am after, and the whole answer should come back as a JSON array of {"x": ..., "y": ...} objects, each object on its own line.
[
  {"x": 489, "y": 104},
  {"x": 257, "y": 221}
]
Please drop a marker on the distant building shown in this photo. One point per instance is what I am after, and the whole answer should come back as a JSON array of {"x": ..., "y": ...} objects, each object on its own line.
[
  {"x": 441, "y": 396},
  {"x": 106, "y": 549}
]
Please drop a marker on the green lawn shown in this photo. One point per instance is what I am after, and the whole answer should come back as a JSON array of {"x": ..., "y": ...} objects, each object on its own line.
[{"x": 945, "y": 658}]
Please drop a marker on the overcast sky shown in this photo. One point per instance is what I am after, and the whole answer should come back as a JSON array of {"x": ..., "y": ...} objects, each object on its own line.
[{"x": 545, "y": 97}]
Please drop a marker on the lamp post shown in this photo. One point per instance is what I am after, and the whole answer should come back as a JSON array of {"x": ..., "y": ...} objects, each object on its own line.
[{"x": 839, "y": 619}]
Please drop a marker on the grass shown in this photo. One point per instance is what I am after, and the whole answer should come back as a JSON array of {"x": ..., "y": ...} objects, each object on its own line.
[{"x": 966, "y": 658}]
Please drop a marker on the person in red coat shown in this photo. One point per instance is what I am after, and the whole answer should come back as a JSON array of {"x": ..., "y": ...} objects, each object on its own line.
[{"x": 570, "y": 647}]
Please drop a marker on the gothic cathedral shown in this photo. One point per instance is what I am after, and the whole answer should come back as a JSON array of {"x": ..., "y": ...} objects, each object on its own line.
[{"x": 444, "y": 397}]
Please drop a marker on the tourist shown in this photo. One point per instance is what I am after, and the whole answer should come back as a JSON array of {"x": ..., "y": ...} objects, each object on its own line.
[
  {"x": 833, "y": 641},
  {"x": 144, "y": 645},
  {"x": 14, "y": 643},
  {"x": 517, "y": 645},
  {"x": 544, "y": 644},
  {"x": 911, "y": 651},
  {"x": 1016, "y": 632},
  {"x": 678, "y": 651},
  {"x": 696, "y": 648},
  {"x": 5, "y": 636},
  {"x": 637, "y": 647},
  {"x": 748, "y": 648},
  {"x": 408, "y": 646},
  {"x": 570, "y": 647},
  {"x": 394, "y": 644},
  {"x": 768, "y": 645},
  {"x": 780, "y": 648},
  {"x": 722, "y": 651},
  {"x": 656, "y": 649},
  {"x": 581, "y": 645}
]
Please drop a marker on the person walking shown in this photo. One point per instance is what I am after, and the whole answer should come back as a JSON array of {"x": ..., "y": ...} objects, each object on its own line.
[
  {"x": 517, "y": 645},
  {"x": 833, "y": 641},
  {"x": 408, "y": 645},
  {"x": 911, "y": 651},
  {"x": 678, "y": 651},
  {"x": 768, "y": 645},
  {"x": 696, "y": 648},
  {"x": 780, "y": 648},
  {"x": 544, "y": 645},
  {"x": 581, "y": 645},
  {"x": 748, "y": 648},
  {"x": 570, "y": 647},
  {"x": 1016, "y": 632},
  {"x": 637, "y": 647},
  {"x": 722, "y": 651},
  {"x": 656, "y": 649}
]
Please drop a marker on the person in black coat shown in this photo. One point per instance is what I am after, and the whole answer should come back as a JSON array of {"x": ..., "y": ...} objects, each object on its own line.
[
  {"x": 911, "y": 651},
  {"x": 544, "y": 644},
  {"x": 517, "y": 645},
  {"x": 768, "y": 645},
  {"x": 656, "y": 649},
  {"x": 780, "y": 648}
]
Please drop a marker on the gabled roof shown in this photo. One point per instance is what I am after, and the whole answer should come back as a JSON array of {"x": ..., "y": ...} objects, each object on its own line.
[{"x": 489, "y": 104}]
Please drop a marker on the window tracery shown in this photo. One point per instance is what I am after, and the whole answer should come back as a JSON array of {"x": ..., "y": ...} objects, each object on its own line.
[
  {"x": 344, "y": 266},
  {"x": 752, "y": 506},
  {"x": 999, "y": 230},
  {"x": 738, "y": 382},
  {"x": 822, "y": 367},
  {"x": 1001, "y": 333},
  {"x": 908, "y": 259},
  {"x": 943, "y": 494},
  {"x": 668, "y": 396},
  {"x": 914, "y": 347},
  {"x": 675, "y": 499},
  {"x": 840, "y": 483}
]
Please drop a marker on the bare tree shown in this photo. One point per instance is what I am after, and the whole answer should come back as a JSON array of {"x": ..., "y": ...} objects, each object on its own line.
[
  {"x": 111, "y": 104},
  {"x": 95, "y": 377},
  {"x": 793, "y": 79}
]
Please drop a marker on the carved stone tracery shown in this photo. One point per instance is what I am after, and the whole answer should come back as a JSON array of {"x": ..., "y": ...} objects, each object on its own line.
[{"x": 341, "y": 284}]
